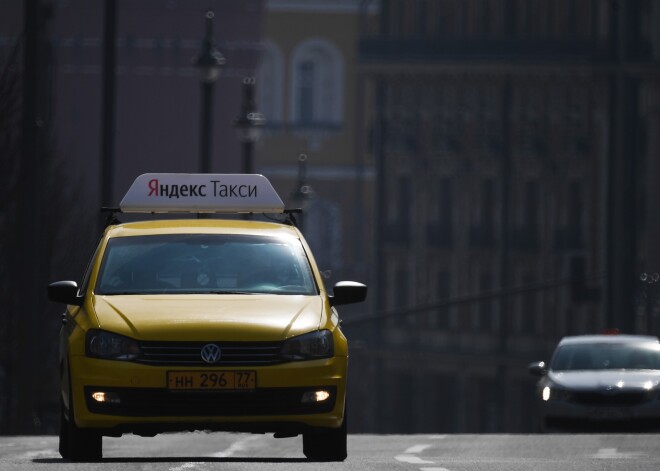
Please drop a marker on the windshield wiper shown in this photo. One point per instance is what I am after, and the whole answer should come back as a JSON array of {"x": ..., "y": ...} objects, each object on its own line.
[
  {"x": 122, "y": 293},
  {"x": 228, "y": 292},
  {"x": 175, "y": 291},
  {"x": 212, "y": 292}
]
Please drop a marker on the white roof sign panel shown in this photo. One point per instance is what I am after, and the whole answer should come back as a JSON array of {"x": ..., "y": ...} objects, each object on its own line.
[{"x": 201, "y": 193}]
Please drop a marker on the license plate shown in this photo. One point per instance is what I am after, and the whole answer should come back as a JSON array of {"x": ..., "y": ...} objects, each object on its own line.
[{"x": 212, "y": 380}]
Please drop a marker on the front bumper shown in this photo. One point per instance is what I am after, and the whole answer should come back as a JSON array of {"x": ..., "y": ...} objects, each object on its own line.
[
  {"x": 599, "y": 413},
  {"x": 145, "y": 402},
  {"x": 157, "y": 402}
]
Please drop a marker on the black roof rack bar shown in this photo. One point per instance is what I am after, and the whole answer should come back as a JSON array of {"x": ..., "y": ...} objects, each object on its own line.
[
  {"x": 111, "y": 220},
  {"x": 290, "y": 219},
  {"x": 117, "y": 209}
]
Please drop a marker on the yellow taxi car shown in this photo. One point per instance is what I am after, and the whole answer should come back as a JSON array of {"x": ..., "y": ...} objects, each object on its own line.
[{"x": 203, "y": 324}]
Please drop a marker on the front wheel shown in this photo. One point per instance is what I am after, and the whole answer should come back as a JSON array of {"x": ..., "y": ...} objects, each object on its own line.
[
  {"x": 327, "y": 445},
  {"x": 78, "y": 444},
  {"x": 64, "y": 433}
]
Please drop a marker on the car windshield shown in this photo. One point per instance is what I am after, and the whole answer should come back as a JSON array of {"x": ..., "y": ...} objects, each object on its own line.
[
  {"x": 607, "y": 356},
  {"x": 203, "y": 263}
]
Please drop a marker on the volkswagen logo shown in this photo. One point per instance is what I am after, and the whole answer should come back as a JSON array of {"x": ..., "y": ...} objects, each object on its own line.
[{"x": 210, "y": 353}]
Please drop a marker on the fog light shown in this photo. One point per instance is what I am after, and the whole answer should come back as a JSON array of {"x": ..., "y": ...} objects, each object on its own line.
[
  {"x": 109, "y": 397},
  {"x": 315, "y": 396},
  {"x": 545, "y": 394}
]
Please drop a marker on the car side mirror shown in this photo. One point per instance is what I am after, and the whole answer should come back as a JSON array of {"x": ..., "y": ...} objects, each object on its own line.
[
  {"x": 538, "y": 368},
  {"x": 65, "y": 292},
  {"x": 348, "y": 292}
]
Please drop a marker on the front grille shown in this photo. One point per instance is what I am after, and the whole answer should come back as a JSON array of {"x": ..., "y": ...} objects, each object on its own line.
[
  {"x": 610, "y": 399},
  {"x": 189, "y": 353},
  {"x": 155, "y": 402}
]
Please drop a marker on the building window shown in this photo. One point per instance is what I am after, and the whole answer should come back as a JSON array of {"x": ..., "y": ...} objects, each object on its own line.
[
  {"x": 490, "y": 137},
  {"x": 482, "y": 234},
  {"x": 399, "y": 218},
  {"x": 447, "y": 124},
  {"x": 571, "y": 234},
  {"x": 403, "y": 118},
  {"x": 270, "y": 79},
  {"x": 306, "y": 92},
  {"x": 487, "y": 406},
  {"x": 527, "y": 306},
  {"x": 440, "y": 230},
  {"x": 576, "y": 210},
  {"x": 526, "y": 235},
  {"x": 451, "y": 17},
  {"x": 486, "y": 306},
  {"x": 317, "y": 71},
  {"x": 322, "y": 223},
  {"x": 531, "y": 209},
  {"x": 577, "y": 122},
  {"x": 402, "y": 296},
  {"x": 532, "y": 126},
  {"x": 440, "y": 318},
  {"x": 443, "y": 397}
]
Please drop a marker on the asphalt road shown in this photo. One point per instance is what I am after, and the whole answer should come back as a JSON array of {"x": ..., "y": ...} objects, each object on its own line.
[{"x": 225, "y": 451}]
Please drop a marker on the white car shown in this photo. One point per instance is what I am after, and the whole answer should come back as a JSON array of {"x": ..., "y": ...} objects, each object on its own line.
[{"x": 597, "y": 382}]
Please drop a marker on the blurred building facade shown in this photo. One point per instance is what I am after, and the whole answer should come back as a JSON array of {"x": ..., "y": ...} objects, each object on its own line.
[
  {"x": 158, "y": 98},
  {"x": 487, "y": 167},
  {"x": 55, "y": 51},
  {"x": 306, "y": 89},
  {"x": 313, "y": 147},
  {"x": 515, "y": 145}
]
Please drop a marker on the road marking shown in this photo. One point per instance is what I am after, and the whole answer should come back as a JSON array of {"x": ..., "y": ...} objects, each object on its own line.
[
  {"x": 39, "y": 454},
  {"x": 235, "y": 447},
  {"x": 416, "y": 449},
  {"x": 408, "y": 456},
  {"x": 412, "y": 459},
  {"x": 613, "y": 453},
  {"x": 185, "y": 466}
]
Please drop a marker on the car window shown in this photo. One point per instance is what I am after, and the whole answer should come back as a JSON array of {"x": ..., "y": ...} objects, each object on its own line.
[
  {"x": 607, "y": 356},
  {"x": 88, "y": 271},
  {"x": 202, "y": 263}
]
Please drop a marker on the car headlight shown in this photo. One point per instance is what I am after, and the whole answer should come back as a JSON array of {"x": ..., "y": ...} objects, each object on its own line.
[
  {"x": 101, "y": 344},
  {"x": 310, "y": 346}
]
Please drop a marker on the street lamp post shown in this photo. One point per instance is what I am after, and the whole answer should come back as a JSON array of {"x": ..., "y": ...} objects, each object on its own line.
[
  {"x": 249, "y": 124},
  {"x": 303, "y": 191},
  {"x": 208, "y": 63}
]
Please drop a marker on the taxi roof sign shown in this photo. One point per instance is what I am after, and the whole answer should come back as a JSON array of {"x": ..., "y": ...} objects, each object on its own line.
[{"x": 201, "y": 193}]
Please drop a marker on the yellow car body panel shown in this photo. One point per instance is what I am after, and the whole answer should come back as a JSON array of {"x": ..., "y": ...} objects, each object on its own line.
[
  {"x": 202, "y": 317},
  {"x": 330, "y": 372}
]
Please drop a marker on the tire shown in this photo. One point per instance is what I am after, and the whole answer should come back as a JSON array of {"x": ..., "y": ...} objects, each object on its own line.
[
  {"x": 78, "y": 444},
  {"x": 326, "y": 445},
  {"x": 64, "y": 433}
]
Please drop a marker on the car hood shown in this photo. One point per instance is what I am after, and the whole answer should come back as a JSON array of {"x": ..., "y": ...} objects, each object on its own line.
[
  {"x": 209, "y": 317},
  {"x": 606, "y": 379}
]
